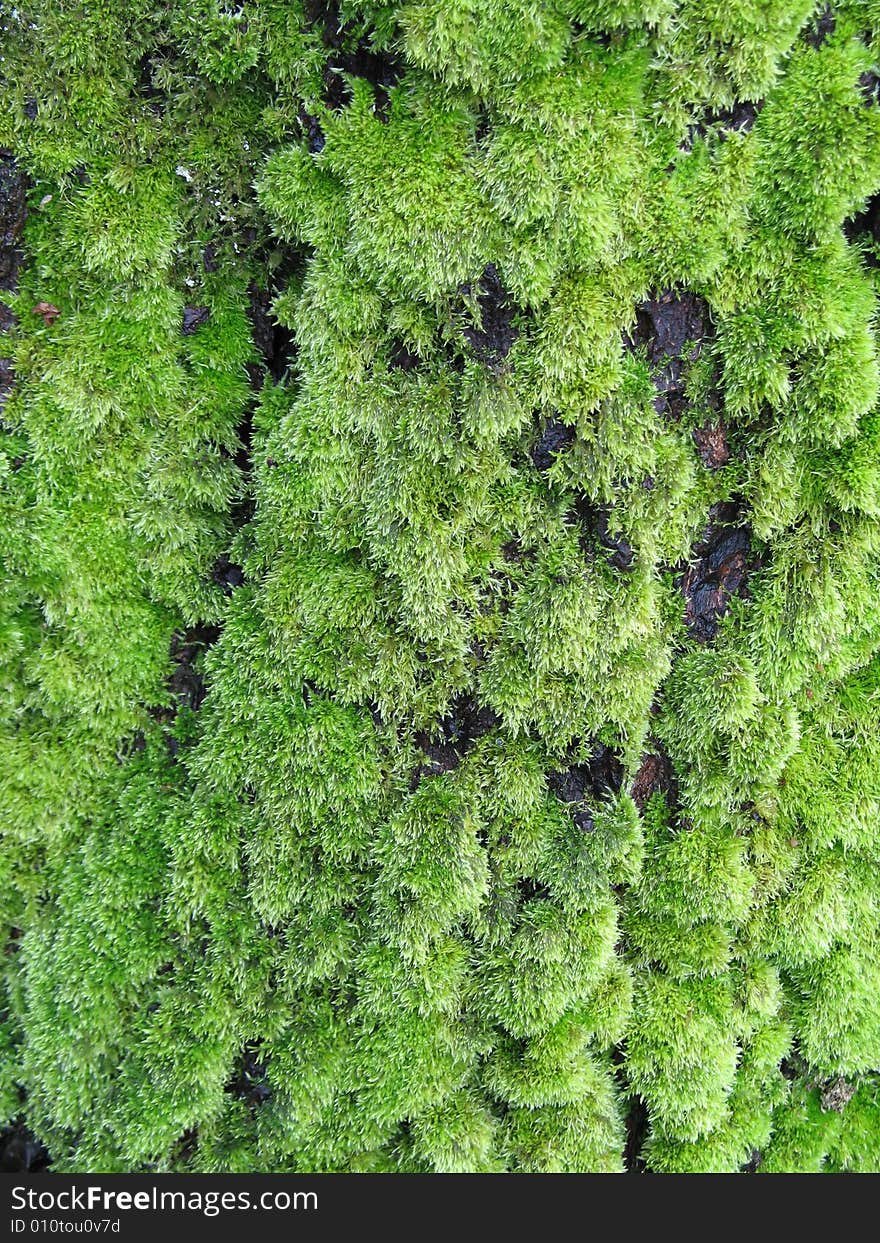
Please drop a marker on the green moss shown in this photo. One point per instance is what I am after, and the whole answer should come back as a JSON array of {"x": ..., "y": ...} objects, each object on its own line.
[{"x": 500, "y": 810}]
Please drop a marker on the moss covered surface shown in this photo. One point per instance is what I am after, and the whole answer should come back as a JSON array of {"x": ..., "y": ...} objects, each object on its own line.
[{"x": 440, "y": 627}]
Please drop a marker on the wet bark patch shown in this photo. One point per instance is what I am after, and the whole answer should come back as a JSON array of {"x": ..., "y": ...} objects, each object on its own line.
[
  {"x": 656, "y": 775},
  {"x": 599, "y": 533},
  {"x": 13, "y": 213},
  {"x": 711, "y": 442},
  {"x": 351, "y": 55},
  {"x": 311, "y": 132},
  {"x": 492, "y": 339},
  {"x": 381, "y": 71},
  {"x": 869, "y": 86},
  {"x": 718, "y": 571},
  {"x": 738, "y": 119},
  {"x": 7, "y": 379},
  {"x": 248, "y": 1082},
  {"x": 274, "y": 344},
  {"x": 664, "y": 325},
  {"x": 227, "y": 574},
  {"x": 582, "y": 784},
  {"x": 273, "y": 340},
  {"x": 637, "y": 1128},
  {"x": 145, "y": 88},
  {"x": 401, "y": 358},
  {"x": 821, "y": 28},
  {"x": 553, "y": 437},
  {"x": 20, "y": 1150},
  {"x": 446, "y": 746},
  {"x": 185, "y": 682},
  {"x": 193, "y": 319},
  {"x": 836, "y": 1094},
  {"x": 864, "y": 228},
  {"x": 467, "y": 721}
]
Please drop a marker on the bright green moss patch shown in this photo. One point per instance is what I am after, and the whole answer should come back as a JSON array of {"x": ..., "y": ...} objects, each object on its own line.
[{"x": 439, "y": 623}]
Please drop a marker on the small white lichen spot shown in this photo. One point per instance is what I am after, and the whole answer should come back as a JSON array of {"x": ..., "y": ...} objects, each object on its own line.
[{"x": 183, "y": 172}]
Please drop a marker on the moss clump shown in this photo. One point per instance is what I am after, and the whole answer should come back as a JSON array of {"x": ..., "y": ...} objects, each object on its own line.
[{"x": 441, "y": 644}]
